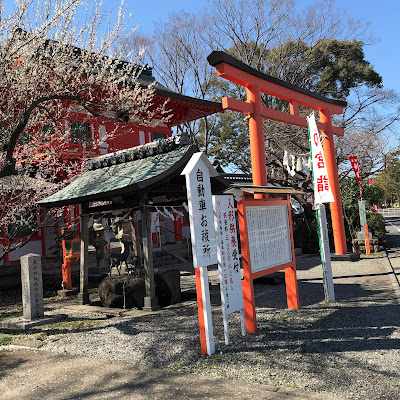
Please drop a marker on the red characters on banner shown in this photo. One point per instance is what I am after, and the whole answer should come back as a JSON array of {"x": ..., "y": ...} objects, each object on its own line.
[
  {"x": 320, "y": 160},
  {"x": 356, "y": 169},
  {"x": 322, "y": 190},
  {"x": 322, "y": 183}
]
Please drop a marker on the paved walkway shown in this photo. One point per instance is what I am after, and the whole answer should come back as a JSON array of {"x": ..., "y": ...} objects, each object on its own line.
[
  {"x": 26, "y": 373},
  {"x": 29, "y": 374}
]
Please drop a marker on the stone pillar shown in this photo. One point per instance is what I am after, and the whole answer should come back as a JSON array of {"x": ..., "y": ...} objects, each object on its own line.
[
  {"x": 32, "y": 286},
  {"x": 150, "y": 301}
]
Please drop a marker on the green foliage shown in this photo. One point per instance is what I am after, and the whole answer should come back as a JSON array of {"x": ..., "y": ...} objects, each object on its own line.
[
  {"x": 350, "y": 194},
  {"x": 340, "y": 66},
  {"x": 7, "y": 337},
  {"x": 328, "y": 66},
  {"x": 376, "y": 224},
  {"x": 305, "y": 235},
  {"x": 232, "y": 145},
  {"x": 389, "y": 180},
  {"x": 43, "y": 332}
]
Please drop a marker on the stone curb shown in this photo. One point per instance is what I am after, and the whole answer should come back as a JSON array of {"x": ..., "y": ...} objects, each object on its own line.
[{"x": 393, "y": 277}]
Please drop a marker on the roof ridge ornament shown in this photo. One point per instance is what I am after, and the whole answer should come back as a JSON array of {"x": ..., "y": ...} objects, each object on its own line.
[{"x": 139, "y": 152}]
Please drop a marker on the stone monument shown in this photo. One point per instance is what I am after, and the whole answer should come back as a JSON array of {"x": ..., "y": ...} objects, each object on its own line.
[
  {"x": 32, "y": 286},
  {"x": 32, "y": 296}
]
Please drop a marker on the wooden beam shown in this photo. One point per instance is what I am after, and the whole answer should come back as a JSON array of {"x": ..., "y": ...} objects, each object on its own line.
[
  {"x": 83, "y": 295},
  {"x": 247, "y": 80},
  {"x": 275, "y": 115},
  {"x": 150, "y": 300}
]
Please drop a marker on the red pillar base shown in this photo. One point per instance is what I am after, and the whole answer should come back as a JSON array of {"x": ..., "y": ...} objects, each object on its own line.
[
  {"x": 66, "y": 275},
  {"x": 249, "y": 306},
  {"x": 203, "y": 341},
  {"x": 292, "y": 292}
]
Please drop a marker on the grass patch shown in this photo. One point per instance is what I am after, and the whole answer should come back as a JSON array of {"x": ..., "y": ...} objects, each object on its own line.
[
  {"x": 7, "y": 336},
  {"x": 8, "y": 315},
  {"x": 44, "y": 332}
]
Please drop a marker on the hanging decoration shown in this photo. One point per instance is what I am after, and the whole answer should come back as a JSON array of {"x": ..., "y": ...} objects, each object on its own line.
[
  {"x": 295, "y": 163},
  {"x": 171, "y": 216},
  {"x": 292, "y": 170},
  {"x": 160, "y": 212},
  {"x": 177, "y": 212},
  {"x": 285, "y": 159},
  {"x": 299, "y": 166}
]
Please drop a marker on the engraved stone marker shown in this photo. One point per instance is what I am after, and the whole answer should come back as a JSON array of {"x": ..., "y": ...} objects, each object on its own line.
[{"x": 32, "y": 286}]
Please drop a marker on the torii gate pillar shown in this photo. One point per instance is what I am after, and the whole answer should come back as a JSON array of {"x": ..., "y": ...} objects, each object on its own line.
[
  {"x": 256, "y": 131},
  {"x": 336, "y": 207},
  {"x": 256, "y": 83}
]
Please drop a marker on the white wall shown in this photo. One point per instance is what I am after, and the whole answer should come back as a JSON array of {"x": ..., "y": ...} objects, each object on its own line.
[{"x": 34, "y": 246}]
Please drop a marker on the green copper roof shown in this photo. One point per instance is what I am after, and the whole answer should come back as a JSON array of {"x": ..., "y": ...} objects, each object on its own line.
[{"x": 103, "y": 183}]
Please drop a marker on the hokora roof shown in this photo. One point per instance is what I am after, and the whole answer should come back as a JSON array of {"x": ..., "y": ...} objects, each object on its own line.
[{"x": 124, "y": 172}]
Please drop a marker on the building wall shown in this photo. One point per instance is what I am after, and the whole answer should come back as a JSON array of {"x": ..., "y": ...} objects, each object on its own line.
[
  {"x": 124, "y": 137},
  {"x": 34, "y": 246}
]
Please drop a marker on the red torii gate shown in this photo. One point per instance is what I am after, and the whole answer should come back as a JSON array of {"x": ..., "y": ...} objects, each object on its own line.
[{"x": 256, "y": 83}]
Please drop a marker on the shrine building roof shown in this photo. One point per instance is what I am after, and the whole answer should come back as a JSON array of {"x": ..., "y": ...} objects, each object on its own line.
[{"x": 131, "y": 173}]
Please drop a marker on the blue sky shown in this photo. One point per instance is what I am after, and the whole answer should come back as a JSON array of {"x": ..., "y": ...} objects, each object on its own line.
[{"x": 382, "y": 15}]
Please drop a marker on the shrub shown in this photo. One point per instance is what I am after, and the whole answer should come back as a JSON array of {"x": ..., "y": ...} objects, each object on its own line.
[{"x": 376, "y": 224}]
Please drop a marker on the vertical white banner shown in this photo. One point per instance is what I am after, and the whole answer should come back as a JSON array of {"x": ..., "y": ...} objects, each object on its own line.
[
  {"x": 228, "y": 253},
  {"x": 322, "y": 189},
  {"x": 322, "y": 194},
  {"x": 201, "y": 217},
  {"x": 198, "y": 186}
]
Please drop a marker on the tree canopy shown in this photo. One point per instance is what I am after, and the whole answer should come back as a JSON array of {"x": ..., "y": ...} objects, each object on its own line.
[
  {"x": 389, "y": 180},
  {"x": 316, "y": 48},
  {"x": 54, "y": 65}
]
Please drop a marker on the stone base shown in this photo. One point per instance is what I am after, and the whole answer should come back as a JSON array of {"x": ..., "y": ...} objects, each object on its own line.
[
  {"x": 360, "y": 247},
  {"x": 67, "y": 292},
  {"x": 345, "y": 257},
  {"x": 151, "y": 304},
  {"x": 21, "y": 323},
  {"x": 83, "y": 298},
  {"x": 298, "y": 251}
]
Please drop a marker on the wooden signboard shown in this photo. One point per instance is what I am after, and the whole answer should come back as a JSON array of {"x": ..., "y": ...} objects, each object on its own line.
[
  {"x": 267, "y": 246},
  {"x": 269, "y": 236}
]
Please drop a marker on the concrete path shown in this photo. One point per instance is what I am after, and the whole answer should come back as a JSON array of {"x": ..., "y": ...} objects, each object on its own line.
[
  {"x": 34, "y": 374},
  {"x": 393, "y": 248}
]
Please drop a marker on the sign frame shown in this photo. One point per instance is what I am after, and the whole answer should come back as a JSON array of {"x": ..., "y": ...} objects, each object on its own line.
[
  {"x": 292, "y": 295},
  {"x": 289, "y": 257}
]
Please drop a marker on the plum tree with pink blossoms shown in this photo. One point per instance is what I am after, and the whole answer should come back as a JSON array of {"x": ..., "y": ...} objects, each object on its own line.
[{"x": 55, "y": 63}]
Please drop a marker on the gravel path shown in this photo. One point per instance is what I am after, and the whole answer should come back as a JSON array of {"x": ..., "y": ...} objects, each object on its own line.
[{"x": 350, "y": 348}]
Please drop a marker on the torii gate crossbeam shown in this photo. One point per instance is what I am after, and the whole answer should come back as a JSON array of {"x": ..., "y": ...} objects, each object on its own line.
[{"x": 256, "y": 83}]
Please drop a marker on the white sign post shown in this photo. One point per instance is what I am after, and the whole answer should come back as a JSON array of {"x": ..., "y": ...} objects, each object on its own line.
[
  {"x": 325, "y": 255},
  {"x": 198, "y": 186},
  {"x": 228, "y": 260},
  {"x": 322, "y": 194}
]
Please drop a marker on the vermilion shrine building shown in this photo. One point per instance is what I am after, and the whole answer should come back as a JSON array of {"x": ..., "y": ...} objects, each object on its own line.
[{"x": 87, "y": 130}]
